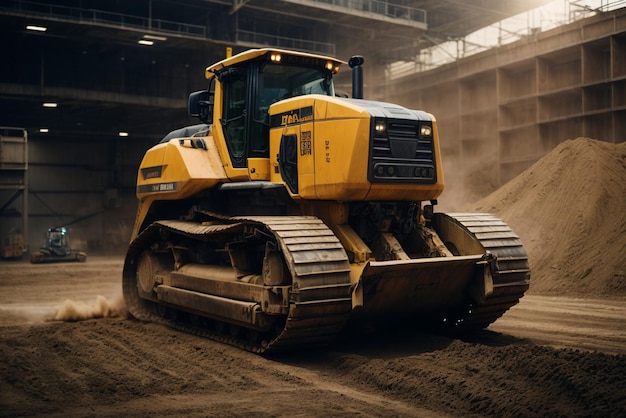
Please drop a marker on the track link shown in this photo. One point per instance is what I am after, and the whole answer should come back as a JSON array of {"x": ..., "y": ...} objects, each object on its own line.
[{"x": 320, "y": 300}]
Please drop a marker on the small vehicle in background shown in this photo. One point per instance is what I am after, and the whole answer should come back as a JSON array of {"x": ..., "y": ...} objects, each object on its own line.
[{"x": 57, "y": 248}]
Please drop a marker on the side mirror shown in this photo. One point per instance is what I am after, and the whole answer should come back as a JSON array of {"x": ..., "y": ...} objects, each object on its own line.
[{"x": 200, "y": 105}]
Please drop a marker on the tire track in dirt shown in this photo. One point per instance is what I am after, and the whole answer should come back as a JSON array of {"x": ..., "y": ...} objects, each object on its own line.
[{"x": 109, "y": 365}]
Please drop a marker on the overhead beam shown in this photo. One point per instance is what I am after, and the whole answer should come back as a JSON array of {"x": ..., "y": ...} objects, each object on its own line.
[{"x": 237, "y": 4}]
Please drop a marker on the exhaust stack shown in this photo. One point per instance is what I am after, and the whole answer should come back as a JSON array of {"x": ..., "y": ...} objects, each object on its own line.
[{"x": 355, "y": 63}]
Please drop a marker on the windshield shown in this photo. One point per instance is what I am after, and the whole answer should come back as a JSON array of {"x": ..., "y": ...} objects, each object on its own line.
[
  {"x": 246, "y": 123},
  {"x": 279, "y": 82}
]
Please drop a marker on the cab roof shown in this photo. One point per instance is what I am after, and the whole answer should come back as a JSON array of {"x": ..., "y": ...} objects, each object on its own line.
[{"x": 256, "y": 53}]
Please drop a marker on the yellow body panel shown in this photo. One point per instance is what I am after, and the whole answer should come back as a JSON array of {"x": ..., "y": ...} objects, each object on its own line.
[
  {"x": 333, "y": 153},
  {"x": 184, "y": 171},
  {"x": 175, "y": 170},
  {"x": 259, "y": 168}
]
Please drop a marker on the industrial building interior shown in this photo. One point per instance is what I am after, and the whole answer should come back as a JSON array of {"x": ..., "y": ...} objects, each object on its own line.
[{"x": 95, "y": 83}]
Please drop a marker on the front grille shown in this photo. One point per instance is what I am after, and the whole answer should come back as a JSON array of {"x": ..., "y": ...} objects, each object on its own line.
[{"x": 400, "y": 155}]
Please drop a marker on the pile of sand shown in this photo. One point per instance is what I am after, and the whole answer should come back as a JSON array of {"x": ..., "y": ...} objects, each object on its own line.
[{"x": 569, "y": 209}]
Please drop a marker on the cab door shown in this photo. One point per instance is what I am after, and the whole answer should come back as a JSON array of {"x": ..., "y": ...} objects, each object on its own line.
[{"x": 235, "y": 114}]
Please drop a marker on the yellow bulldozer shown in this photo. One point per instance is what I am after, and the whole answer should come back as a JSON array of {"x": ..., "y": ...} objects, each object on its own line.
[{"x": 290, "y": 213}]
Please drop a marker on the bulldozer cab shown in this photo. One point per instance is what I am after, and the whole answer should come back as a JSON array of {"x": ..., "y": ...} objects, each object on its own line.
[
  {"x": 247, "y": 88},
  {"x": 56, "y": 247},
  {"x": 58, "y": 241}
]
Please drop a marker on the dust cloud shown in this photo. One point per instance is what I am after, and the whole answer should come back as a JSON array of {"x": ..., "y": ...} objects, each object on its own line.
[
  {"x": 467, "y": 178},
  {"x": 22, "y": 314},
  {"x": 72, "y": 311}
]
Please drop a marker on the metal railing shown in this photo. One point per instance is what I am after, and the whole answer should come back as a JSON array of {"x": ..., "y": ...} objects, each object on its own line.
[
  {"x": 99, "y": 18},
  {"x": 261, "y": 39},
  {"x": 608, "y": 5},
  {"x": 377, "y": 7},
  {"x": 450, "y": 51}
]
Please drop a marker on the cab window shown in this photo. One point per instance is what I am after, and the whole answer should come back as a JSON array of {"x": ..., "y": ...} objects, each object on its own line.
[{"x": 234, "y": 117}]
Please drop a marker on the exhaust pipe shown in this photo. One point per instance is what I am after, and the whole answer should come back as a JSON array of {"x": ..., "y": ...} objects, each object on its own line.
[{"x": 355, "y": 63}]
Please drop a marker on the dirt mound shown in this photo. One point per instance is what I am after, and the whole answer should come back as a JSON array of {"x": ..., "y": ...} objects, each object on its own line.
[
  {"x": 515, "y": 380},
  {"x": 569, "y": 210}
]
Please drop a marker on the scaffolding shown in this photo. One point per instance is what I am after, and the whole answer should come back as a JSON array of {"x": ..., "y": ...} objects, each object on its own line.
[{"x": 13, "y": 182}]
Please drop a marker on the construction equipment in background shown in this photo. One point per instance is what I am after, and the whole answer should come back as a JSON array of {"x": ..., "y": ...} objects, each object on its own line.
[
  {"x": 57, "y": 248},
  {"x": 12, "y": 246},
  {"x": 13, "y": 190},
  {"x": 290, "y": 212}
]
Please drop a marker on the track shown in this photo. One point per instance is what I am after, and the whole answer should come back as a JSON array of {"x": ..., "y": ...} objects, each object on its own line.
[
  {"x": 319, "y": 293},
  {"x": 510, "y": 272},
  {"x": 320, "y": 290}
]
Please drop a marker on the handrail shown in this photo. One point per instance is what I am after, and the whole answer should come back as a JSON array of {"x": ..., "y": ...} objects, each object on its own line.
[
  {"x": 376, "y": 7},
  {"x": 100, "y": 18},
  {"x": 263, "y": 39}
]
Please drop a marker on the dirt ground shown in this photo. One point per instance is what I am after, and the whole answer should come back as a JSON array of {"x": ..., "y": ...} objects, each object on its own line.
[
  {"x": 548, "y": 356},
  {"x": 68, "y": 347}
]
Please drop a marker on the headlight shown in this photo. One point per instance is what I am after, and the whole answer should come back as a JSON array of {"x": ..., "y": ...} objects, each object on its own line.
[
  {"x": 426, "y": 130},
  {"x": 380, "y": 127}
]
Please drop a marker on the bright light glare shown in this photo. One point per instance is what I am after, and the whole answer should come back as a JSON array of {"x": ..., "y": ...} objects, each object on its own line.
[
  {"x": 145, "y": 42},
  {"x": 50, "y": 104},
  {"x": 37, "y": 28},
  {"x": 124, "y": 134}
]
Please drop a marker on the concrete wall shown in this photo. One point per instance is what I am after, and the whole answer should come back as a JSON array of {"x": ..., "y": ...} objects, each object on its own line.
[
  {"x": 502, "y": 110},
  {"x": 85, "y": 185}
]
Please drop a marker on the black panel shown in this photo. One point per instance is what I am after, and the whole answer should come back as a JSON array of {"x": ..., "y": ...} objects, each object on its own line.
[{"x": 288, "y": 161}]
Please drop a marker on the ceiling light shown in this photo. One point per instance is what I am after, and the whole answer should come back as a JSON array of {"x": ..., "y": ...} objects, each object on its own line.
[
  {"x": 50, "y": 104},
  {"x": 145, "y": 42},
  {"x": 43, "y": 130},
  {"x": 123, "y": 134},
  {"x": 155, "y": 38},
  {"x": 37, "y": 28}
]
